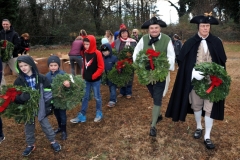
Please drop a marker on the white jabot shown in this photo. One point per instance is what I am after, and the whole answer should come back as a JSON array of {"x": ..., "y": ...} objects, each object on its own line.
[
  {"x": 204, "y": 43},
  {"x": 205, "y": 47}
]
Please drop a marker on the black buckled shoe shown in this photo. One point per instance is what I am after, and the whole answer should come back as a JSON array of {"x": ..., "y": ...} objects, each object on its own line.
[
  {"x": 57, "y": 131},
  {"x": 208, "y": 143},
  {"x": 153, "y": 132},
  {"x": 159, "y": 118},
  {"x": 198, "y": 133}
]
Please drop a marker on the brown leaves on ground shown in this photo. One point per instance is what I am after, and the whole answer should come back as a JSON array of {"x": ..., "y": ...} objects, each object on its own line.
[{"x": 124, "y": 131}]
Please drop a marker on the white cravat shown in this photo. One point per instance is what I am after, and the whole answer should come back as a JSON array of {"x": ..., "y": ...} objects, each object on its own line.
[
  {"x": 204, "y": 43},
  {"x": 205, "y": 47}
]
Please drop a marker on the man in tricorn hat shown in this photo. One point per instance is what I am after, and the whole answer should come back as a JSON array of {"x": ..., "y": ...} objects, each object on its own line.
[
  {"x": 202, "y": 47},
  {"x": 160, "y": 43}
]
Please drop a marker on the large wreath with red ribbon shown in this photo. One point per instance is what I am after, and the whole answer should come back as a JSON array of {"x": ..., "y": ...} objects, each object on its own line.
[
  {"x": 20, "y": 112},
  {"x": 121, "y": 73},
  {"x": 151, "y": 66},
  {"x": 125, "y": 53},
  {"x": 216, "y": 82},
  {"x": 6, "y": 50}
]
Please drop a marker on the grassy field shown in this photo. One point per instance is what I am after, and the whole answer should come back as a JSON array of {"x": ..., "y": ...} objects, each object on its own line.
[{"x": 123, "y": 133}]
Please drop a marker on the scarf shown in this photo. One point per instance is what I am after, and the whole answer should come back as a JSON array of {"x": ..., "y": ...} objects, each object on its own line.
[
  {"x": 153, "y": 40},
  {"x": 128, "y": 40}
]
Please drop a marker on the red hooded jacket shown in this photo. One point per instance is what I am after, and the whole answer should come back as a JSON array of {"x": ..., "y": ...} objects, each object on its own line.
[{"x": 93, "y": 64}]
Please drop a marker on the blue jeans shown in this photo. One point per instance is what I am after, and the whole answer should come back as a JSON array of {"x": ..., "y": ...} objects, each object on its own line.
[
  {"x": 61, "y": 116},
  {"x": 113, "y": 93},
  {"x": 126, "y": 90},
  {"x": 78, "y": 60},
  {"x": 97, "y": 95},
  {"x": 1, "y": 132}
]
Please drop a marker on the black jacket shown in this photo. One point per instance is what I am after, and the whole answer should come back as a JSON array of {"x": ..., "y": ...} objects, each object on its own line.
[
  {"x": 177, "y": 46},
  {"x": 42, "y": 84},
  {"x": 13, "y": 37},
  {"x": 23, "y": 44},
  {"x": 179, "y": 105}
]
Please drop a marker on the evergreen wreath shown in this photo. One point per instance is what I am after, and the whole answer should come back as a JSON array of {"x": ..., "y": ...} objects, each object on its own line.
[
  {"x": 126, "y": 52},
  {"x": 104, "y": 78},
  {"x": 114, "y": 52},
  {"x": 216, "y": 82},
  {"x": 22, "y": 113},
  {"x": 121, "y": 73},
  {"x": 6, "y": 50},
  {"x": 67, "y": 98},
  {"x": 158, "y": 71}
]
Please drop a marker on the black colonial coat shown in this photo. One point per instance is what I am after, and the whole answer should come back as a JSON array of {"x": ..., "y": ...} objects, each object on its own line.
[{"x": 179, "y": 105}]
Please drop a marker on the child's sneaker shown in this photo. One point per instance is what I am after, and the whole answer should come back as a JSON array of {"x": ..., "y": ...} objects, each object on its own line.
[
  {"x": 111, "y": 104},
  {"x": 28, "y": 150},
  {"x": 98, "y": 117},
  {"x": 56, "y": 147},
  {"x": 80, "y": 118},
  {"x": 2, "y": 138}
]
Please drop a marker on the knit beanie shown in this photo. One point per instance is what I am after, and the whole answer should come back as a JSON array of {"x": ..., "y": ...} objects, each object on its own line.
[
  {"x": 53, "y": 59},
  {"x": 104, "y": 48},
  {"x": 104, "y": 40}
]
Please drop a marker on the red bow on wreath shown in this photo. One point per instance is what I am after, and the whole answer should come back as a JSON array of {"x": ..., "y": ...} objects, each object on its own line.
[
  {"x": 128, "y": 60},
  {"x": 4, "y": 45},
  {"x": 151, "y": 53},
  {"x": 120, "y": 65},
  {"x": 215, "y": 83},
  {"x": 8, "y": 97}
]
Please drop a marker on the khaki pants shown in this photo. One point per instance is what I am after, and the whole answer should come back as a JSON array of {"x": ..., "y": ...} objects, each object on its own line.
[
  {"x": 198, "y": 103},
  {"x": 11, "y": 64}
]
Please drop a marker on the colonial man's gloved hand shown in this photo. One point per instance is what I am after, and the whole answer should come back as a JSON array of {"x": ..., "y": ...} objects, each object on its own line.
[{"x": 197, "y": 74}]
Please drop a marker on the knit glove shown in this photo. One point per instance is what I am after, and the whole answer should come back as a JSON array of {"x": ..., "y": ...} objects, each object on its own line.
[{"x": 22, "y": 98}]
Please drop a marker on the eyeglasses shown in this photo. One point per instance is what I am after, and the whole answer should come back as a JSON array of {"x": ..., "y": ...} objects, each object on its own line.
[{"x": 134, "y": 32}]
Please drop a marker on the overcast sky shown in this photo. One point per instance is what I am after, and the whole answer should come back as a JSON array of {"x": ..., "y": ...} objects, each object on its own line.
[{"x": 169, "y": 13}]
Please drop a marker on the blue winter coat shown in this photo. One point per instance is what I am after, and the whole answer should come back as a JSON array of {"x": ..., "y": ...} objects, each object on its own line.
[{"x": 109, "y": 61}]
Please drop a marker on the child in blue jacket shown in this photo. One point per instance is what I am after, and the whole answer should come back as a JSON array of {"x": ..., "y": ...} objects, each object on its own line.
[
  {"x": 60, "y": 114},
  {"x": 109, "y": 62}
]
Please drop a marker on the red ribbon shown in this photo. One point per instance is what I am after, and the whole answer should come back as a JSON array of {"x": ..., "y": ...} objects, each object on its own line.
[
  {"x": 4, "y": 45},
  {"x": 215, "y": 83},
  {"x": 151, "y": 53},
  {"x": 8, "y": 97},
  {"x": 128, "y": 60},
  {"x": 120, "y": 65}
]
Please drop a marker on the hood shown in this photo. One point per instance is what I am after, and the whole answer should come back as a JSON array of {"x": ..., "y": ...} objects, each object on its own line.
[
  {"x": 109, "y": 48},
  {"x": 29, "y": 60},
  {"x": 93, "y": 44}
]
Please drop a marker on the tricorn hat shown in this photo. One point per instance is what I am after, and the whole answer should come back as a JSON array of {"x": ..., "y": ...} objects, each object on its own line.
[
  {"x": 206, "y": 18},
  {"x": 152, "y": 21}
]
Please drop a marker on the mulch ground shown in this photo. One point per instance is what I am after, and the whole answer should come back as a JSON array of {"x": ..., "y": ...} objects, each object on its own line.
[{"x": 123, "y": 133}]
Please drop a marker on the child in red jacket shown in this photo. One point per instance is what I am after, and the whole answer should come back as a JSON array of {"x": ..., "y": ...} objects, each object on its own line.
[{"x": 93, "y": 67}]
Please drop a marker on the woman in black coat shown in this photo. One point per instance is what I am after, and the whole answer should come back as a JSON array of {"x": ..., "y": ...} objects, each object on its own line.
[{"x": 24, "y": 45}]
